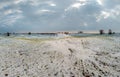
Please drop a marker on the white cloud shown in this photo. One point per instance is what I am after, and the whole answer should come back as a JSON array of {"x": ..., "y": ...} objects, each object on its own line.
[
  {"x": 19, "y": 1},
  {"x": 38, "y": 3},
  {"x": 75, "y": 5},
  {"x": 106, "y": 13},
  {"x": 52, "y": 4},
  {"x": 43, "y": 11},
  {"x": 12, "y": 11},
  {"x": 116, "y": 10},
  {"x": 8, "y": 12},
  {"x": 85, "y": 24},
  {"x": 103, "y": 15},
  {"x": 10, "y": 20},
  {"x": 34, "y": 2},
  {"x": 81, "y": 0},
  {"x": 4, "y": 4},
  {"x": 100, "y": 2},
  {"x": 67, "y": 13}
]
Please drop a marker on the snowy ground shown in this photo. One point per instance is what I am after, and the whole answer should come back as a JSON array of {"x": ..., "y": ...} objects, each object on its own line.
[{"x": 95, "y": 56}]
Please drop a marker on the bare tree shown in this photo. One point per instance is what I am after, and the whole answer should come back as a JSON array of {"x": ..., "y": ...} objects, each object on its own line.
[
  {"x": 109, "y": 31},
  {"x": 8, "y": 34},
  {"x": 29, "y": 33},
  {"x": 101, "y": 31}
]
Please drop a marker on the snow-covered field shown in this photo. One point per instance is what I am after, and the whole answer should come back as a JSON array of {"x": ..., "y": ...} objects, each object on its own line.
[{"x": 93, "y": 56}]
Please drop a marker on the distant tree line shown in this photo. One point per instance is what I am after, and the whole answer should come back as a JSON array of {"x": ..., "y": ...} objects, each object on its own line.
[
  {"x": 29, "y": 33},
  {"x": 109, "y": 32}
]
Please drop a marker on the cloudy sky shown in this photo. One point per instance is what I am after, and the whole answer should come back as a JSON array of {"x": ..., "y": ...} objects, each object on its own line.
[{"x": 59, "y": 15}]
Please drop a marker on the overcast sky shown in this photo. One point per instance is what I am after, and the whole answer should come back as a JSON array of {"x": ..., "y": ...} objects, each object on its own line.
[{"x": 59, "y": 15}]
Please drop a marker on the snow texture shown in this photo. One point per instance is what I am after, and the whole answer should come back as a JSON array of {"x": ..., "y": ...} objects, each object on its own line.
[{"x": 95, "y": 56}]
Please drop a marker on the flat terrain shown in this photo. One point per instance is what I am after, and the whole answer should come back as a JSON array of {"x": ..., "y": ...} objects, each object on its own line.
[{"x": 95, "y": 56}]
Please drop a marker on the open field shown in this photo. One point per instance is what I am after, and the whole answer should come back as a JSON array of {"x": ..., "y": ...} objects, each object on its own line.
[{"x": 95, "y": 56}]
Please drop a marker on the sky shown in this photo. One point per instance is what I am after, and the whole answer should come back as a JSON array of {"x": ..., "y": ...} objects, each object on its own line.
[{"x": 59, "y": 15}]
